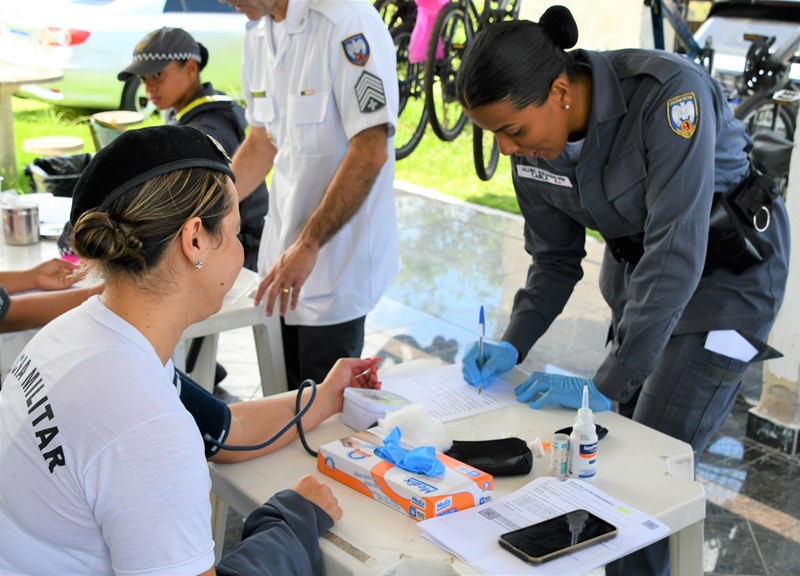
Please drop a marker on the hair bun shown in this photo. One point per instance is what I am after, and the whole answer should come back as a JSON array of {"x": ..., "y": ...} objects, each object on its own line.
[{"x": 560, "y": 26}]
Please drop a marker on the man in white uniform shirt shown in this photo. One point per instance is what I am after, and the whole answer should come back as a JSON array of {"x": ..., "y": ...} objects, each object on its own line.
[{"x": 320, "y": 81}]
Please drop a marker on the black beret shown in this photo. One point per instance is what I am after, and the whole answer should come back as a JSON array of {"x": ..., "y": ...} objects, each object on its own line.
[{"x": 140, "y": 154}]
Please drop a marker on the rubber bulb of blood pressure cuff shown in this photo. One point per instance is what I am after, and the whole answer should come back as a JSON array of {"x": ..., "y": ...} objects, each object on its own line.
[{"x": 583, "y": 443}]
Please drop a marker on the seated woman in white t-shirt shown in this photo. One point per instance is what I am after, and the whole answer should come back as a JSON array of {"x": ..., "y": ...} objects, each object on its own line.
[{"x": 103, "y": 444}]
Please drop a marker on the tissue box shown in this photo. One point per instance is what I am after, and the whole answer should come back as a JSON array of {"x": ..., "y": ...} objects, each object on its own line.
[
  {"x": 363, "y": 407},
  {"x": 352, "y": 461}
]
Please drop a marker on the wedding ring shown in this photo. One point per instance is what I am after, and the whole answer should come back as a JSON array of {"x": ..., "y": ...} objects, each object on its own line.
[{"x": 285, "y": 290}]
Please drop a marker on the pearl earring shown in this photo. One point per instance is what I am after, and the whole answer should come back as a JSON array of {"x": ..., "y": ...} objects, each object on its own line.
[
  {"x": 198, "y": 264},
  {"x": 566, "y": 107}
]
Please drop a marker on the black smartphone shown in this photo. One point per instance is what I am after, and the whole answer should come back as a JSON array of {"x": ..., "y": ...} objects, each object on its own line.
[{"x": 557, "y": 536}]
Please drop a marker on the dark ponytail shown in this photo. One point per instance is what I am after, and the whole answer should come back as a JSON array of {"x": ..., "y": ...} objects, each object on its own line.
[{"x": 518, "y": 60}]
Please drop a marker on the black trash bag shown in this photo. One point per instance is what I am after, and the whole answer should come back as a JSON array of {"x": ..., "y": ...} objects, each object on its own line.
[{"x": 56, "y": 174}]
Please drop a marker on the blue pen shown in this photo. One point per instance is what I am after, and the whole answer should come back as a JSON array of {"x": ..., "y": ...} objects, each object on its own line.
[{"x": 481, "y": 334}]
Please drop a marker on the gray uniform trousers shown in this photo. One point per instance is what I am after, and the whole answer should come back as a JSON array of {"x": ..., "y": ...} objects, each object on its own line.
[{"x": 688, "y": 396}]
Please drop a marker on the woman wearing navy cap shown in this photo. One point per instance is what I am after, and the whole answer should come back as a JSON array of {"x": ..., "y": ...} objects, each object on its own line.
[
  {"x": 168, "y": 61},
  {"x": 103, "y": 444},
  {"x": 641, "y": 146}
]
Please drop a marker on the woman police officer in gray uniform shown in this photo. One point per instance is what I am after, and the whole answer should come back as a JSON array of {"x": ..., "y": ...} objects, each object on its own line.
[{"x": 641, "y": 146}]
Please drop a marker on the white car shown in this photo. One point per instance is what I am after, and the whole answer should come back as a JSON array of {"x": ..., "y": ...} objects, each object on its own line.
[{"x": 92, "y": 40}]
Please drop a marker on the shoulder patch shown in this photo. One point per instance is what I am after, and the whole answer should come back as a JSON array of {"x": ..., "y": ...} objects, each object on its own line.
[
  {"x": 356, "y": 49},
  {"x": 683, "y": 115},
  {"x": 369, "y": 92}
]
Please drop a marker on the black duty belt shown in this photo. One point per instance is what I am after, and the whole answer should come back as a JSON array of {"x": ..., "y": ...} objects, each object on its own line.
[{"x": 736, "y": 222}]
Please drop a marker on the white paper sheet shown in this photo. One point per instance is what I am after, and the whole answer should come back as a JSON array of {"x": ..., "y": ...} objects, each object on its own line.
[
  {"x": 472, "y": 534},
  {"x": 731, "y": 344},
  {"x": 445, "y": 394},
  {"x": 55, "y": 210}
]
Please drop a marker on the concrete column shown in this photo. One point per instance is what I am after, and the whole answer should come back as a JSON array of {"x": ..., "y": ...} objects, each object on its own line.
[{"x": 776, "y": 420}]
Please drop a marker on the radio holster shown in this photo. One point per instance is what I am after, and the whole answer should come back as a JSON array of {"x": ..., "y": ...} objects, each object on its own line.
[{"x": 737, "y": 219}]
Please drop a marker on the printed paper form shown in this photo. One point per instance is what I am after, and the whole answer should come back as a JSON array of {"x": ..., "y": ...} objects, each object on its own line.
[
  {"x": 445, "y": 394},
  {"x": 472, "y": 534}
]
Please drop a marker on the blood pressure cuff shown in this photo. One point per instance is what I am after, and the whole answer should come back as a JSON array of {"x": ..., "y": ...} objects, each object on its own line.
[
  {"x": 503, "y": 457},
  {"x": 737, "y": 219},
  {"x": 5, "y": 302},
  {"x": 212, "y": 415}
]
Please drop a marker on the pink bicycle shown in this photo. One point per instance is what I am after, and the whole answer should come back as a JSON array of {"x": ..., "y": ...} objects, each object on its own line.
[
  {"x": 453, "y": 29},
  {"x": 430, "y": 37}
]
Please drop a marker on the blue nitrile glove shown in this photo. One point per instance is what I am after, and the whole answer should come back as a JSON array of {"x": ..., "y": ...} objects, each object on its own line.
[
  {"x": 497, "y": 359},
  {"x": 564, "y": 390},
  {"x": 420, "y": 460}
]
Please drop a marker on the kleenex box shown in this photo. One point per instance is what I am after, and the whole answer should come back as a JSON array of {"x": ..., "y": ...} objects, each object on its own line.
[
  {"x": 353, "y": 462},
  {"x": 363, "y": 407}
]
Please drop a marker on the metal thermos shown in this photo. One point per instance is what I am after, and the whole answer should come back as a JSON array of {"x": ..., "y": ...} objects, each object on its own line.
[{"x": 21, "y": 224}]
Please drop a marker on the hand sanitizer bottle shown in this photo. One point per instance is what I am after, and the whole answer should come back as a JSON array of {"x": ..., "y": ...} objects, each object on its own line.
[{"x": 583, "y": 443}]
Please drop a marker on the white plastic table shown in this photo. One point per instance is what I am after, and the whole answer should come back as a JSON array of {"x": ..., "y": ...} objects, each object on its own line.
[
  {"x": 640, "y": 466},
  {"x": 238, "y": 311}
]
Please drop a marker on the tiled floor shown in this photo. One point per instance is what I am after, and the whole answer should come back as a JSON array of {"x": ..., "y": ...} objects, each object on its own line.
[{"x": 456, "y": 257}]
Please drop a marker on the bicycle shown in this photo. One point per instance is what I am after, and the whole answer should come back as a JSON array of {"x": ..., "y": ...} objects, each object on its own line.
[
  {"x": 770, "y": 106},
  {"x": 412, "y": 117},
  {"x": 766, "y": 73},
  {"x": 400, "y": 17},
  {"x": 673, "y": 11},
  {"x": 397, "y": 13},
  {"x": 453, "y": 30},
  {"x": 770, "y": 99}
]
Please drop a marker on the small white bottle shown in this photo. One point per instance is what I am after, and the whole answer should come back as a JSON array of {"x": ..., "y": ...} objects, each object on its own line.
[{"x": 583, "y": 443}]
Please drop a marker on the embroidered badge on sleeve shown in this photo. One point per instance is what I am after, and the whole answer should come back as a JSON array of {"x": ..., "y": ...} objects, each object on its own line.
[
  {"x": 369, "y": 93},
  {"x": 683, "y": 114},
  {"x": 356, "y": 48}
]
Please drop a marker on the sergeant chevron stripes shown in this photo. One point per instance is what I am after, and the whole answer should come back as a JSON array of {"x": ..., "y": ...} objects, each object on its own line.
[{"x": 369, "y": 93}]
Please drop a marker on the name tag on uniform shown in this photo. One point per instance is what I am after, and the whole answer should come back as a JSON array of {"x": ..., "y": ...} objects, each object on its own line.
[{"x": 525, "y": 171}]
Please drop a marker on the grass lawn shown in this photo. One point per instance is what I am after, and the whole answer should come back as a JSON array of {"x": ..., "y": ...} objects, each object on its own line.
[
  {"x": 33, "y": 118},
  {"x": 443, "y": 166},
  {"x": 448, "y": 168}
]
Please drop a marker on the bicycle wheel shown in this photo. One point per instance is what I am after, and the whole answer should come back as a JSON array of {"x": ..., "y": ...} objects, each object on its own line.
[
  {"x": 411, "y": 115},
  {"x": 397, "y": 13},
  {"x": 759, "y": 112},
  {"x": 485, "y": 153},
  {"x": 454, "y": 29}
]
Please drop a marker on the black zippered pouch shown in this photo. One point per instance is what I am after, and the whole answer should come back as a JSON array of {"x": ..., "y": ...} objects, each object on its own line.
[{"x": 502, "y": 457}]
